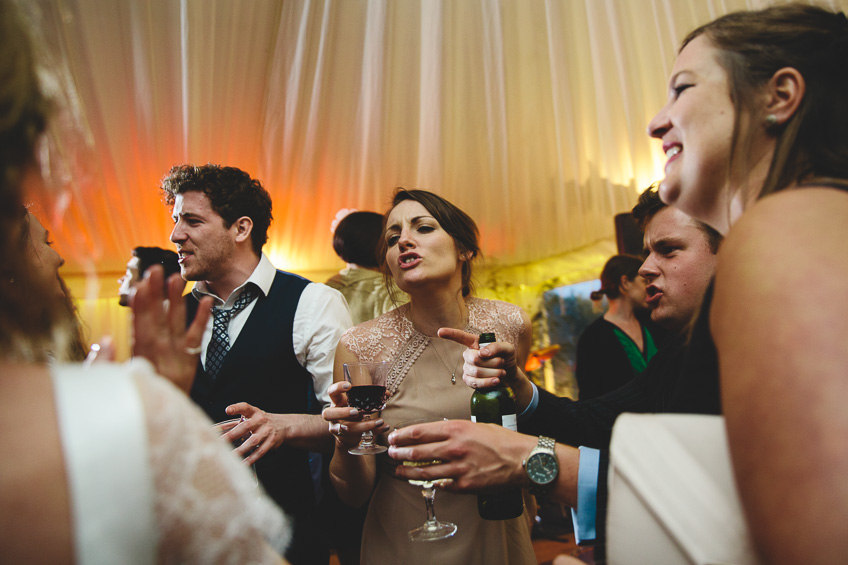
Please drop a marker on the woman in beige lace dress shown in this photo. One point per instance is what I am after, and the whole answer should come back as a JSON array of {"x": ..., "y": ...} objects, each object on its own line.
[{"x": 427, "y": 250}]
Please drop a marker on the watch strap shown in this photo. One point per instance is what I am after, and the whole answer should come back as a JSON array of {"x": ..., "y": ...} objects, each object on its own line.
[{"x": 545, "y": 445}]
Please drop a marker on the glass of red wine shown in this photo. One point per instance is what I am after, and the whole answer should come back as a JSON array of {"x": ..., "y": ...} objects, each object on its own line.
[{"x": 367, "y": 394}]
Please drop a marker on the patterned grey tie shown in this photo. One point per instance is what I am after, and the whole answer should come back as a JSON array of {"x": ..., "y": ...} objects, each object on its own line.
[{"x": 219, "y": 345}]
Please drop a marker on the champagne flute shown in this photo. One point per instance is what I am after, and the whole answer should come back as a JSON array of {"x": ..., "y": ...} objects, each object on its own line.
[
  {"x": 367, "y": 394},
  {"x": 432, "y": 529}
]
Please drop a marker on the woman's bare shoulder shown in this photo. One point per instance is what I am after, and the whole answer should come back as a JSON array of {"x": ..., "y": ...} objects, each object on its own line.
[
  {"x": 805, "y": 225},
  {"x": 779, "y": 324}
]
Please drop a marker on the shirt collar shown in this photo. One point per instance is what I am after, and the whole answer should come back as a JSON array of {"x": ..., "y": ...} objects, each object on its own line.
[{"x": 262, "y": 278}]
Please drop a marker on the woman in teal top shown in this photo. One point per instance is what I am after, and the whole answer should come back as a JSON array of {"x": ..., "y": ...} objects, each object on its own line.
[{"x": 617, "y": 346}]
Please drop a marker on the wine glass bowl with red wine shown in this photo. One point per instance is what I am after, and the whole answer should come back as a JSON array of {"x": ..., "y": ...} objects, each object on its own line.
[
  {"x": 367, "y": 398},
  {"x": 367, "y": 393}
]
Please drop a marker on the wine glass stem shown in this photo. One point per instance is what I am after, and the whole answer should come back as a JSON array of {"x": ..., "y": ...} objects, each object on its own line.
[
  {"x": 429, "y": 495},
  {"x": 367, "y": 439}
]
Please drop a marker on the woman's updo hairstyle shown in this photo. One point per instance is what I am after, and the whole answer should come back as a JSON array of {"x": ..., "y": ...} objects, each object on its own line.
[
  {"x": 616, "y": 267},
  {"x": 454, "y": 221}
]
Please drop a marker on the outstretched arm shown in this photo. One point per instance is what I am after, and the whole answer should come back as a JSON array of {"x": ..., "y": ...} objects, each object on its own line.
[
  {"x": 478, "y": 457},
  {"x": 321, "y": 317},
  {"x": 270, "y": 431}
]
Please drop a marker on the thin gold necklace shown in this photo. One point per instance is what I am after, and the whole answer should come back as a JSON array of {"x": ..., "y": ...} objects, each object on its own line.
[{"x": 442, "y": 359}]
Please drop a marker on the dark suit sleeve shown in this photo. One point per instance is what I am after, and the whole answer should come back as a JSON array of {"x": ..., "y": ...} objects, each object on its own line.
[
  {"x": 586, "y": 422},
  {"x": 589, "y": 422}
]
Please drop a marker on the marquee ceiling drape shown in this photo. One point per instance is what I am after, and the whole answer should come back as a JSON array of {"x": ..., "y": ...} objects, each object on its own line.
[{"x": 528, "y": 114}]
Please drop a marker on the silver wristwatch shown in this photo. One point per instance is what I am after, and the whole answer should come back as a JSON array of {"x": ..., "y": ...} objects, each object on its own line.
[{"x": 542, "y": 466}]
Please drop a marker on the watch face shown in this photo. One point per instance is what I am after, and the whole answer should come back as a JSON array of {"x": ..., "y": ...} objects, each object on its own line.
[{"x": 542, "y": 468}]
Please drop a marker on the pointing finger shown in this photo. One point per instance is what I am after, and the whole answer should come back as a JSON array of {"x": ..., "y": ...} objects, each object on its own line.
[{"x": 459, "y": 336}]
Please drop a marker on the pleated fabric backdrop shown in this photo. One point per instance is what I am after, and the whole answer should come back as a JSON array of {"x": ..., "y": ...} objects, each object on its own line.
[{"x": 529, "y": 114}]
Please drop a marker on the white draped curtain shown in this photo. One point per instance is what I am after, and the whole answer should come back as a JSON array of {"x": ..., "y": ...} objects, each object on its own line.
[{"x": 529, "y": 114}]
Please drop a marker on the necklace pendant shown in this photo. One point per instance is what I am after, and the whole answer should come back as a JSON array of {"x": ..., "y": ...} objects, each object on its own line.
[{"x": 453, "y": 379}]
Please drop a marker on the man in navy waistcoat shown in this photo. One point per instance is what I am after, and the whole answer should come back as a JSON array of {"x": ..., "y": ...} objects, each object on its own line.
[{"x": 267, "y": 353}]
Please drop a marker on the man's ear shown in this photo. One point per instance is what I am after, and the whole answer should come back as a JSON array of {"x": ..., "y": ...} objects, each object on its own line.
[
  {"x": 243, "y": 227},
  {"x": 784, "y": 94}
]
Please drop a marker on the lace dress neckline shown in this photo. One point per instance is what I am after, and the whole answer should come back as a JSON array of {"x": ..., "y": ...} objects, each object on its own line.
[
  {"x": 413, "y": 347},
  {"x": 393, "y": 337}
]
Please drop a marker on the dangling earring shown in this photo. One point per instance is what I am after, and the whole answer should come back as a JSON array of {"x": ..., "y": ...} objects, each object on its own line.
[{"x": 771, "y": 120}]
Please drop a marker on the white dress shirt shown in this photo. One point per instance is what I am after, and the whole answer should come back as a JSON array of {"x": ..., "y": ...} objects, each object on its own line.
[{"x": 321, "y": 317}]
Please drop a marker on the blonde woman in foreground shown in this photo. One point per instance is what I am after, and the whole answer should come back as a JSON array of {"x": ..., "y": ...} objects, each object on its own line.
[{"x": 110, "y": 464}]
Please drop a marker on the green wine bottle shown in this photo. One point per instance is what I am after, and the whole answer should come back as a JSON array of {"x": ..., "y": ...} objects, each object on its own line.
[{"x": 496, "y": 405}]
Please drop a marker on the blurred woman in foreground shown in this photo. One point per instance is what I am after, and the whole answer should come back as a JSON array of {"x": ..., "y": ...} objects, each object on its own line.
[
  {"x": 111, "y": 464},
  {"x": 46, "y": 261},
  {"x": 756, "y": 134}
]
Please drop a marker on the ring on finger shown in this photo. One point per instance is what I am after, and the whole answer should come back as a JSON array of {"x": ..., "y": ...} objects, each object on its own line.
[{"x": 194, "y": 350}]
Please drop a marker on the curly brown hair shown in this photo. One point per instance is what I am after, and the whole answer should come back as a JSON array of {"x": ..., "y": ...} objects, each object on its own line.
[
  {"x": 231, "y": 191},
  {"x": 616, "y": 267}
]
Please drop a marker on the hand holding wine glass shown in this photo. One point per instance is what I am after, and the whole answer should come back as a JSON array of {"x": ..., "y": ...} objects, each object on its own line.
[
  {"x": 225, "y": 427},
  {"x": 367, "y": 393},
  {"x": 432, "y": 529}
]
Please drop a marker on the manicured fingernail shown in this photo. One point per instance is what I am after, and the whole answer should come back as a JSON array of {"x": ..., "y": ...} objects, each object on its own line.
[
  {"x": 379, "y": 422},
  {"x": 353, "y": 412},
  {"x": 345, "y": 385}
]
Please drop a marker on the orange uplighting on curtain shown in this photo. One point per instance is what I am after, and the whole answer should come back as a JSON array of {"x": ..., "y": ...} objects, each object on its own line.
[{"x": 530, "y": 116}]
